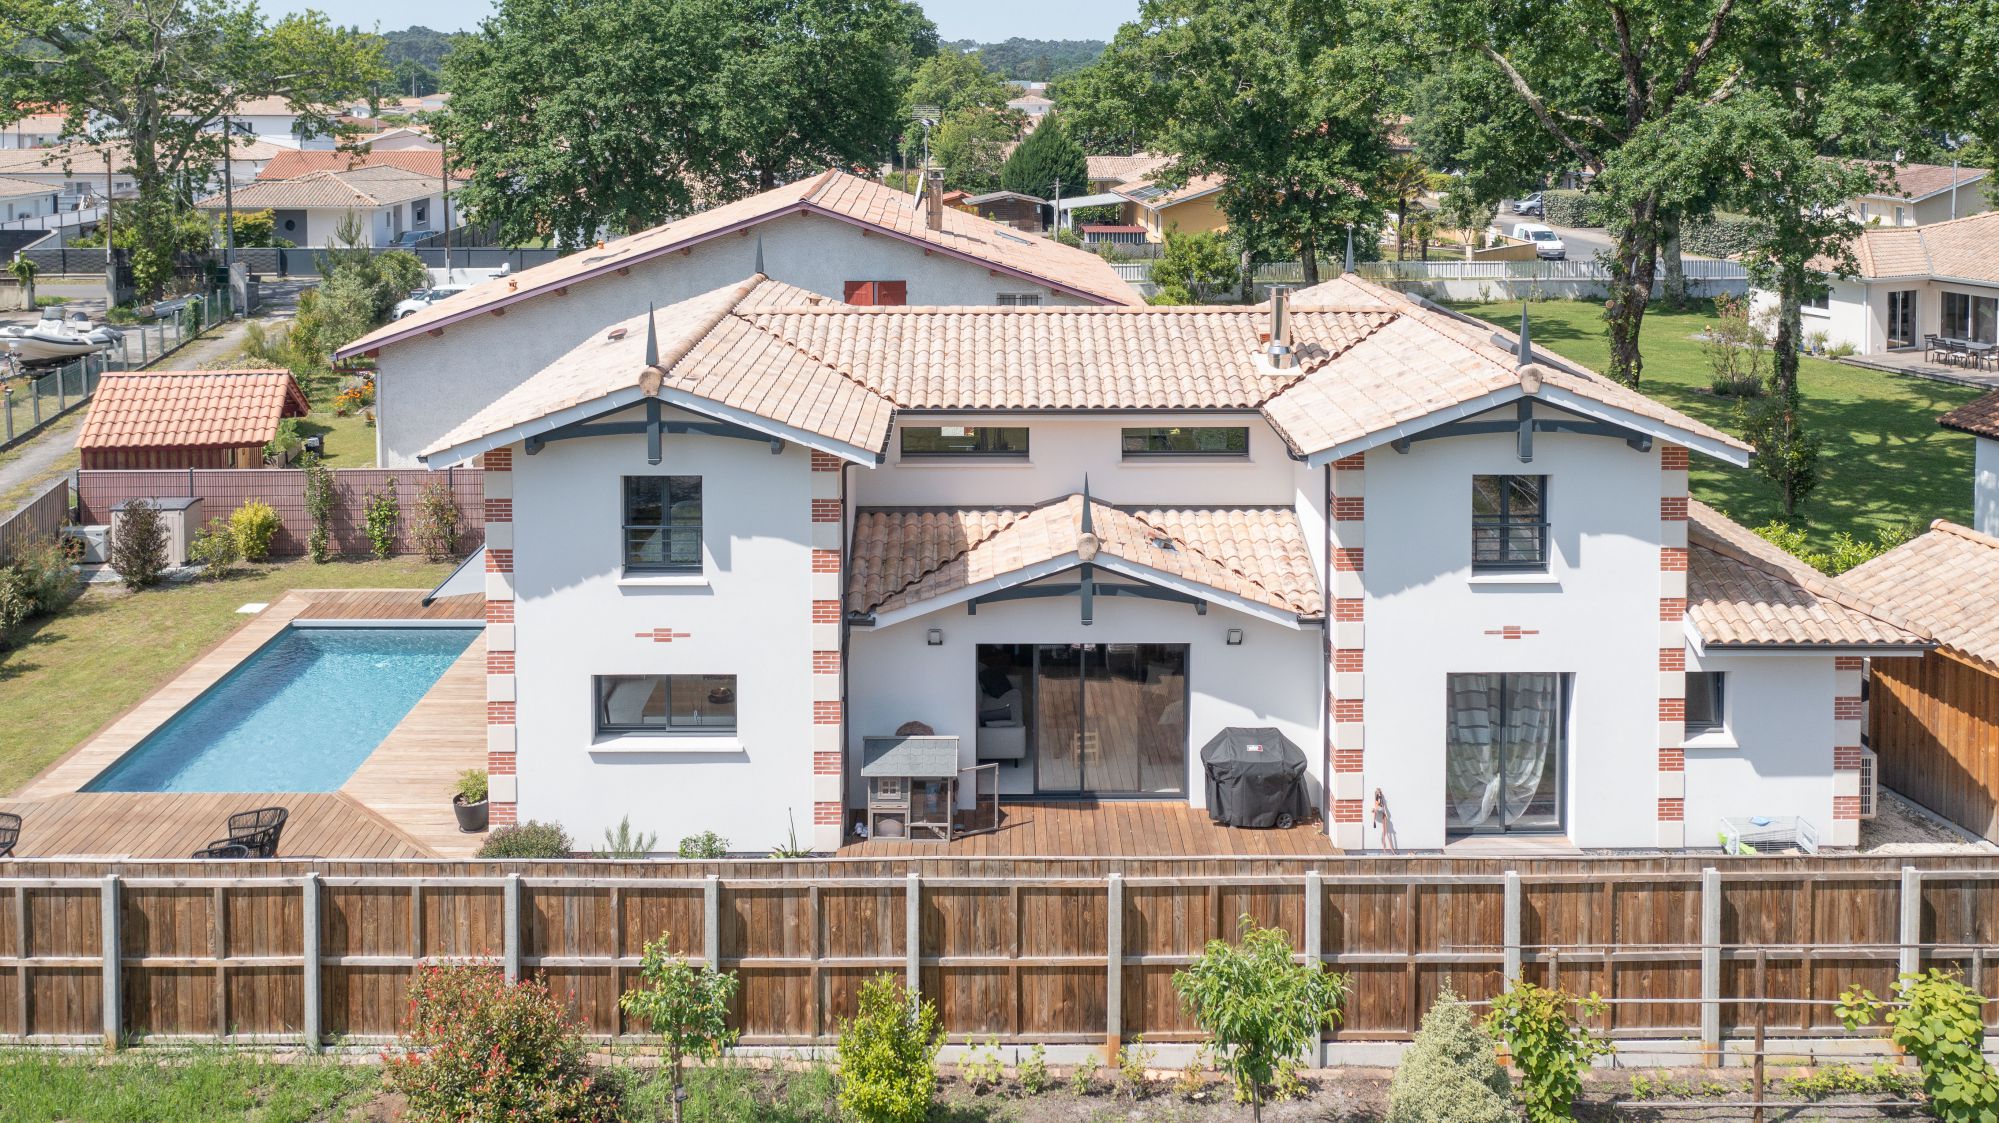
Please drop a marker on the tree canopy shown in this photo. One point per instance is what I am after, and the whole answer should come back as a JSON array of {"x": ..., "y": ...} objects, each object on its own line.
[
  {"x": 972, "y": 127},
  {"x": 1045, "y": 162}
]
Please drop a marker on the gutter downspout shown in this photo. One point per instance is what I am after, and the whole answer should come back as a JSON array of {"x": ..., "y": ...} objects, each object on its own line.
[{"x": 1326, "y": 636}]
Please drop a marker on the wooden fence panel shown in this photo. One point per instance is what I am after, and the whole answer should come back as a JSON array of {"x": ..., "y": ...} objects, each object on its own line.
[
  {"x": 38, "y": 519},
  {"x": 1934, "y": 720}
]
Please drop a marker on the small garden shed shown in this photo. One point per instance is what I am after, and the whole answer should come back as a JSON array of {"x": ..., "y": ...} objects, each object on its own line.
[
  {"x": 187, "y": 418},
  {"x": 1934, "y": 720}
]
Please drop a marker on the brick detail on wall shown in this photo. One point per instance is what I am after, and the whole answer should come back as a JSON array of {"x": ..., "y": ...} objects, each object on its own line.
[
  {"x": 825, "y": 612},
  {"x": 1848, "y": 663},
  {"x": 1347, "y": 760},
  {"x": 1673, "y": 559},
  {"x": 662, "y": 635},
  {"x": 1672, "y": 709},
  {"x": 1847, "y": 709},
  {"x": 1673, "y": 508},
  {"x": 1349, "y": 709},
  {"x": 1512, "y": 631},
  {"x": 825, "y": 510},
  {"x": 499, "y": 611},
  {"x": 1672, "y": 658},
  {"x": 825, "y": 561},
  {"x": 825, "y": 662},
  {"x": 1349, "y": 660},
  {"x": 499, "y": 561},
  {"x": 1672, "y": 609},
  {"x": 825, "y": 713},
  {"x": 499, "y": 713},
  {"x": 828, "y": 815},
  {"x": 499, "y": 510},
  {"x": 500, "y": 764},
  {"x": 1672, "y": 810},
  {"x": 1348, "y": 609},
  {"x": 1673, "y": 458},
  {"x": 1349, "y": 508},
  {"x": 825, "y": 461},
  {"x": 1672, "y": 760},
  {"x": 825, "y": 764},
  {"x": 1846, "y": 758},
  {"x": 498, "y": 460},
  {"x": 1349, "y": 559},
  {"x": 1349, "y": 811},
  {"x": 499, "y": 662},
  {"x": 501, "y": 814},
  {"x": 1846, "y": 807},
  {"x": 1355, "y": 463}
]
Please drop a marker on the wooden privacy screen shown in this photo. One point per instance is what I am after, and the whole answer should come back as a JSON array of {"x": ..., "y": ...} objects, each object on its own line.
[{"x": 259, "y": 952}]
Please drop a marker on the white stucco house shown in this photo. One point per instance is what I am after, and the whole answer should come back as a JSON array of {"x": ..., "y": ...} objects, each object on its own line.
[
  {"x": 1911, "y": 282},
  {"x": 309, "y": 208},
  {"x": 730, "y": 540},
  {"x": 1920, "y": 194},
  {"x": 1980, "y": 418},
  {"x": 834, "y": 234}
]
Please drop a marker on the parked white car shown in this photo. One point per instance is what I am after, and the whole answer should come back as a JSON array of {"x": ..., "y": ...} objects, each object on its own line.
[
  {"x": 1547, "y": 244},
  {"x": 424, "y": 298}
]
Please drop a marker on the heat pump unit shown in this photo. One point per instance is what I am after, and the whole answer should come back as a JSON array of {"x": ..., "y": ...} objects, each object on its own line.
[{"x": 1870, "y": 783}]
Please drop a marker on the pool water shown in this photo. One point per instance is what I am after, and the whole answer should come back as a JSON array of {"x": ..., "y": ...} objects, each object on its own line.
[{"x": 299, "y": 715}]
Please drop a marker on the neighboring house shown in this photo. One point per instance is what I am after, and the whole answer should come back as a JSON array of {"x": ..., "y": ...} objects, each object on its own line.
[
  {"x": 24, "y": 198},
  {"x": 425, "y": 162},
  {"x": 1034, "y": 106},
  {"x": 1935, "y": 720},
  {"x": 730, "y": 540},
  {"x": 34, "y": 130},
  {"x": 1107, "y": 172},
  {"x": 401, "y": 138},
  {"x": 834, "y": 234},
  {"x": 1008, "y": 208},
  {"x": 310, "y": 208},
  {"x": 77, "y": 171},
  {"x": 187, "y": 418},
  {"x": 1922, "y": 194},
  {"x": 1980, "y": 418},
  {"x": 1911, "y": 282},
  {"x": 1192, "y": 208}
]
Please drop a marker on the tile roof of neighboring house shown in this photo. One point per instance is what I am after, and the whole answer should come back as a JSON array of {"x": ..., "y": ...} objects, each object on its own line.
[
  {"x": 1946, "y": 581},
  {"x": 1963, "y": 248},
  {"x": 190, "y": 409},
  {"x": 264, "y": 107},
  {"x": 1347, "y": 291},
  {"x": 1153, "y": 195},
  {"x": 368, "y": 187},
  {"x": 1745, "y": 592},
  {"x": 293, "y": 163},
  {"x": 835, "y": 374},
  {"x": 833, "y": 194},
  {"x": 83, "y": 161},
  {"x": 1124, "y": 169},
  {"x": 904, "y": 557},
  {"x": 1979, "y": 417},
  {"x": 1920, "y": 181},
  {"x": 12, "y": 188}
]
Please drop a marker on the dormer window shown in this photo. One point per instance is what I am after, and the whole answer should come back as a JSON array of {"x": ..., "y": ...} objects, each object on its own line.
[{"x": 1509, "y": 524}]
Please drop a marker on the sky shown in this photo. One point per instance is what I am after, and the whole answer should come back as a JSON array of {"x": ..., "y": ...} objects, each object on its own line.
[{"x": 982, "y": 20}]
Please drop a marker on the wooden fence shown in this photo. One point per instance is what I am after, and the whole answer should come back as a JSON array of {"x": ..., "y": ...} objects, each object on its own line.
[
  {"x": 1935, "y": 722},
  {"x": 222, "y": 490},
  {"x": 1051, "y": 951},
  {"x": 38, "y": 520}
]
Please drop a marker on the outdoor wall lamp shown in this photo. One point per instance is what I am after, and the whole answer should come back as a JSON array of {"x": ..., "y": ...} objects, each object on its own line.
[
  {"x": 934, "y": 637},
  {"x": 1233, "y": 637}
]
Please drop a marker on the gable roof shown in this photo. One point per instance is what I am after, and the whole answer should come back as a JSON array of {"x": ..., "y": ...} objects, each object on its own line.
[
  {"x": 360, "y": 188},
  {"x": 1153, "y": 195},
  {"x": 1916, "y": 182},
  {"x": 11, "y": 188},
  {"x": 1961, "y": 248},
  {"x": 831, "y": 376},
  {"x": 1979, "y": 417},
  {"x": 1124, "y": 169},
  {"x": 831, "y": 194},
  {"x": 1250, "y": 557},
  {"x": 190, "y": 409},
  {"x": 1745, "y": 593},
  {"x": 1947, "y": 581},
  {"x": 292, "y": 163}
]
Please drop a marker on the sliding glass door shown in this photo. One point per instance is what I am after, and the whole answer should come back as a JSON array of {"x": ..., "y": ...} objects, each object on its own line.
[
  {"x": 1109, "y": 719},
  {"x": 1504, "y": 743},
  {"x": 1902, "y": 318}
]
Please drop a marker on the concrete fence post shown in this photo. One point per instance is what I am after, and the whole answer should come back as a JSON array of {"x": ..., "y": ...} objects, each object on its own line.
[
  {"x": 311, "y": 973},
  {"x": 1510, "y": 918},
  {"x": 114, "y": 966},
  {"x": 511, "y": 906},
  {"x": 1113, "y": 965},
  {"x": 912, "y": 936},
  {"x": 711, "y": 923},
  {"x": 1315, "y": 943},
  {"x": 1910, "y": 935},
  {"x": 1711, "y": 966}
]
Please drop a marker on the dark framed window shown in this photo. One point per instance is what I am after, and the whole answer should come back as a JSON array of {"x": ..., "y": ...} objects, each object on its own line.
[
  {"x": 1194, "y": 440},
  {"x": 1705, "y": 700},
  {"x": 1509, "y": 524},
  {"x": 1974, "y": 318},
  {"x": 1019, "y": 300},
  {"x": 963, "y": 440},
  {"x": 663, "y": 523},
  {"x": 665, "y": 703}
]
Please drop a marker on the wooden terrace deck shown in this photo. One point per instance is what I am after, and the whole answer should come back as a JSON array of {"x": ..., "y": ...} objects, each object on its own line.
[{"x": 1107, "y": 829}]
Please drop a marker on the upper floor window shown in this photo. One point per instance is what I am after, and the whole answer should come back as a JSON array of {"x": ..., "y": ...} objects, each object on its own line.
[
  {"x": 1020, "y": 300},
  {"x": 876, "y": 292},
  {"x": 1509, "y": 523},
  {"x": 962, "y": 440},
  {"x": 1705, "y": 699},
  {"x": 663, "y": 523},
  {"x": 666, "y": 703},
  {"x": 1205, "y": 440}
]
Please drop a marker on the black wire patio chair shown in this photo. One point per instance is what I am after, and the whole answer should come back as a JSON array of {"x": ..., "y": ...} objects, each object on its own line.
[
  {"x": 10, "y": 833},
  {"x": 255, "y": 833}
]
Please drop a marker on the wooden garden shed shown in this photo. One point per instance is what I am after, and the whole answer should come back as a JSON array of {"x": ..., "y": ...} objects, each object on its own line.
[
  {"x": 1934, "y": 720},
  {"x": 187, "y": 418}
]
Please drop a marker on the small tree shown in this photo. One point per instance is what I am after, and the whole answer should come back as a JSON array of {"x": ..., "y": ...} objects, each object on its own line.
[
  {"x": 24, "y": 270},
  {"x": 255, "y": 525},
  {"x": 1258, "y": 1006},
  {"x": 1450, "y": 1073},
  {"x": 139, "y": 545},
  {"x": 687, "y": 1006},
  {"x": 1194, "y": 267},
  {"x": 436, "y": 522},
  {"x": 319, "y": 508},
  {"x": 214, "y": 549},
  {"x": 888, "y": 1055},
  {"x": 1786, "y": 453},
  {"x": 1044, "y": 158},
  {"x": 1550, "y": 1047},
  {"x": 1941, "y": 1023},
  {"x": 383, "y": 513}
]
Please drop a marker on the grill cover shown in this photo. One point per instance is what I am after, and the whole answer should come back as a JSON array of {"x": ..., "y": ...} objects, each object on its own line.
[{"x": 1254, "y": 778}]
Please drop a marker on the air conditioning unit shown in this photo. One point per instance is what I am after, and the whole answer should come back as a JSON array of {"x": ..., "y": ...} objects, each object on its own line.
[{"x": 1870, "y": 783}]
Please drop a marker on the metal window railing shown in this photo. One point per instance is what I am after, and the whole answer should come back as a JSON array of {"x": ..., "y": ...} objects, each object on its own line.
[
  {"x": 663, "y": 548},
  {"x": 1507, "y": 544}
]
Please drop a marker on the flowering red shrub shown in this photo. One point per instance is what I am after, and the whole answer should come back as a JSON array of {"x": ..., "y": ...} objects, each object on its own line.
[{"x": 476, "y": 1050}]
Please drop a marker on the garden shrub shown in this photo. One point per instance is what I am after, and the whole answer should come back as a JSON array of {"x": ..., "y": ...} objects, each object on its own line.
[
  {"x": 285, "y": 444},
  {"x": 1033, "y": 1072},
  {"x": 436, "y": 529},
  {"x": 1570, "y": 208},
  {"x": 255, "y": 525},
  {"x": 1259, "y": 1007},
  {"x": 1736, "y": 347},
  {"x": 382, "y": 513},
  {"x": 1450, "y": 1073},
  {"x": 888, "y": 1055},
  {"x": 1720, "y": 234},
  {"x": 17, "y": 599},
  {"x": 471, "y": 785},
  {"x": 528, "y": 840},
  {"x": 625, "y": 842},
  {"x": 479, "y": 1050},
  {"x": 319, "y": 509},
  {"x": 50, "y": 572},
  {"x": 1549, "y": 1047},
  {"x": 707, "y": 844},
  {"x": 687, "y": 1006},
  {"x": 1941, "y": 1023},
  {"x": 214, "y": 549},
  {"x": 139, "y": 545}
]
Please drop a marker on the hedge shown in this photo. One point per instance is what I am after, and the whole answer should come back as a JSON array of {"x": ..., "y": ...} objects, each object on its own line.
[
  {"x": 1571, "y": 208},
  {"x": 1720, "y": 234}
]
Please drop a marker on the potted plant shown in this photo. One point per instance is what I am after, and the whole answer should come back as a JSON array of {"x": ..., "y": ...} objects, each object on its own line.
[{"x": 470, "y": 801}]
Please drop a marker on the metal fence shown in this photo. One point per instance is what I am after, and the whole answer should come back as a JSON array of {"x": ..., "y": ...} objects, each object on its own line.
[
  {"x": 40, "y": 396},
  {"x": 1695, "y": 268},
  {"x": 301, "y": 261}
]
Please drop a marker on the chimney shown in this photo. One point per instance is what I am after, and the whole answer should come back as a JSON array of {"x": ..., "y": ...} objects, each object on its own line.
[
  {"x": 1277, "y": 350},
  {"x": 933, "y": 200}
]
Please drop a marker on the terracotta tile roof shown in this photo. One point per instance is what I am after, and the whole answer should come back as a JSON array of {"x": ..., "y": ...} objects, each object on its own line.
[
  {"x": 366, "y": 187},
  {"x": 1946, "y": 581},
  {"x": 834, "y": 194},
  {"x": 1347, "y": 290},
  {"x": 292, "y": 163},
  {"x": 904, "y": 557},
  {"x": 1965, "y": 248},
  {"x": 1920, "y": 181},
  {"x": 1979, "y": 417},
  {"x": 839, "y": 373},
  {"x": 190, "y": 409},
  {"x": 1124, "y": 169},
  {"x": 1742, "y": 591},
  {"x": 1168, "y": 196},
  {"x": 13, "y": 188}
]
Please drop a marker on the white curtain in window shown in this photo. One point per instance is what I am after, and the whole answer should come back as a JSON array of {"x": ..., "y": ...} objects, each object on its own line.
[
  {"x": 1502, "y": 730},
  {"x": 1471, "y": 759},
  {"x": 1531, "y": 716}
]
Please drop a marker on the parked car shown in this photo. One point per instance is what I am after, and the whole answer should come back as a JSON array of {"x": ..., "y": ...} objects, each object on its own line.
[
  {"x": 424, "y": 298},
  {"x": 411, "y": 239},
  {"x": 1547, "y": 244},
  {"x": 1528, "y": 205}
]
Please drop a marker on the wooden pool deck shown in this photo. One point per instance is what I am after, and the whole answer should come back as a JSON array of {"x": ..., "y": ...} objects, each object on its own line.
[
  {"x": 396, "y": 805},
  {"x": 1107, "y": 829}
]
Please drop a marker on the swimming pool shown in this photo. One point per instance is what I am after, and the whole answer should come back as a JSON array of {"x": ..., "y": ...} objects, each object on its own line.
[{"x": 299, "y": 715}]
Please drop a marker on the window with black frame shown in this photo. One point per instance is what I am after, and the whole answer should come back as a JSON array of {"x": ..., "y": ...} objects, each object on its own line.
[
  {"x": 665, "y": 703},
  {"x": 1509, "y": 524},
  {"x": 1215, "y": 441},
  {"x": 1705, "y": 702},
  {"x": 663, "y": 523},
  {"x": 944, "y": 441}
]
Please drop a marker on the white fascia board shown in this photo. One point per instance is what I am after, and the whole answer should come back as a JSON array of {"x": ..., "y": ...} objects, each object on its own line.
[
  {"x": 1207, "y": 593},
  {"x": 1051, "y": 567},
  {"x": 1884, "y": 650},
  {"x": 1469, "y": 408},
  {"x": 708, "y": 408},
  {"x": 1021, "y": 576},
  {"x": 452, "y": 455}
]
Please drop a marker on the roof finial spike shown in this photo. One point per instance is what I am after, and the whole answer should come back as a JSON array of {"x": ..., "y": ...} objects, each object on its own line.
[
  {"x": 1526, "y": 344},
  {"x": 759, "y": 270},
  {"x": 1089, "y": 523},
  {"x": 1349, "y": 267},
  {"x": 652, "y": 337}
]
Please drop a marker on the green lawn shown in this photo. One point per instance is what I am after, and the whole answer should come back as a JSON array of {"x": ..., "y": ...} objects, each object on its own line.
[
  {"x": 1885, "y": 462},
  {"x": 349, "y": 441},
  {"x": 201, "y": 1086},
  {"x": 63, "y": 677}
]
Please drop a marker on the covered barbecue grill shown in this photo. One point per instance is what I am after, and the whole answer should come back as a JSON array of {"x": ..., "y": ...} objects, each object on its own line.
[{"x": 1255, "y": 778}]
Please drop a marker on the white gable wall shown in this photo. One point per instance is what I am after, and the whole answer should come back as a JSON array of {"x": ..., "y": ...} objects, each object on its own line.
[
  {"x": 1985, "y": 487},
  {"x": 1773, "y": 757},
  {"x": 429, "y": 384}
]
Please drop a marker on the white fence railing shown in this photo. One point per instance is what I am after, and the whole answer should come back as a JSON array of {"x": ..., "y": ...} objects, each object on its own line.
[{"x": 1696, "y": 269}]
